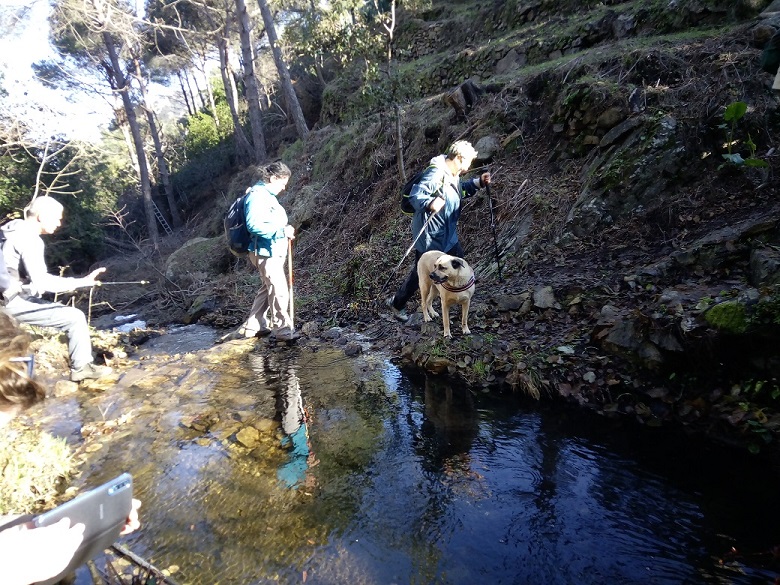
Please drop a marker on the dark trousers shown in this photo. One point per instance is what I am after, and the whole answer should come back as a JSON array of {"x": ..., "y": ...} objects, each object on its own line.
[{"x": 412, "y": 282}]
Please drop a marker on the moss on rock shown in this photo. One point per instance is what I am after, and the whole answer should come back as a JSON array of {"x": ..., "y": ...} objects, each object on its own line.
[{"x": 730, "y": 317}]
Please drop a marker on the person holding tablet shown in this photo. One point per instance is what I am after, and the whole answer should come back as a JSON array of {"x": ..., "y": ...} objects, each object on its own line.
[{"x": 28, "y": 554}]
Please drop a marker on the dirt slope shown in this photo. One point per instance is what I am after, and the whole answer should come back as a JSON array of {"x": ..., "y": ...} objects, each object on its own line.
[{"x": 639, "y": 266}]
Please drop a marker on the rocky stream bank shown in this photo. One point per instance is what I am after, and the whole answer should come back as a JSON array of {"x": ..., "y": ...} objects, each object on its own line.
[{"x": 685, "y": 340}]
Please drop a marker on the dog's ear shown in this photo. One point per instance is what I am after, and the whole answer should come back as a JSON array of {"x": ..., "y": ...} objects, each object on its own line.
[{"x": 457, "y": 264}]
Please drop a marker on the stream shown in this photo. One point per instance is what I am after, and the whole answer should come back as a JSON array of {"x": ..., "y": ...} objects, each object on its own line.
[{"x": 259, "y": 463}]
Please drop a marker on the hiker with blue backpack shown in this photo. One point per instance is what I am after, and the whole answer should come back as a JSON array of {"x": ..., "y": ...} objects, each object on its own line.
[
  {"x": 270, "y": 233},
  {"x": 435, "y": 200}
]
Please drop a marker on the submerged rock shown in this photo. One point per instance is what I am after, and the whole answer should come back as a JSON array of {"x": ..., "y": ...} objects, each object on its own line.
[{"x": 249, "y": 437}]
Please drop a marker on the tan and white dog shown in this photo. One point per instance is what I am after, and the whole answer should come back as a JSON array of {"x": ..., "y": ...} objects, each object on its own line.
[{"x": 450, "y": 278}]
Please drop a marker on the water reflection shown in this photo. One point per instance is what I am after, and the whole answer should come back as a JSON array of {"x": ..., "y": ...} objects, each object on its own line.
[
  {"x": 295, "y": 439},
  {"x": 448, "y": 428},
  {"x": 414, "y": 482}
]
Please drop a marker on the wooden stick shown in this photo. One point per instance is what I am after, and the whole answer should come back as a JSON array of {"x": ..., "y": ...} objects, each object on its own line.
[
  {"x": 89, "y": 312},
  {"x": 290, "y": 278},
  {"x": 128, "y": 554}
]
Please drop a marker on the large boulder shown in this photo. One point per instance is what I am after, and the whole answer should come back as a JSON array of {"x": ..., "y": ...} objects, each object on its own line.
[
  {"x": 198, "y": 260},
  {"x": 765, "y": 266},
  {"x": 631, "y": 177}
]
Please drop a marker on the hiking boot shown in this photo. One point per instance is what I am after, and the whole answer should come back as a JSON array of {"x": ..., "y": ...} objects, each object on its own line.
[
  {"x": 232, "y": 336},
  {"x": 398, "y": 314},
  {"x": 89, "y": 371},
  {"x": 286, "y": 334},
  {"x": 243, "y": 334}
]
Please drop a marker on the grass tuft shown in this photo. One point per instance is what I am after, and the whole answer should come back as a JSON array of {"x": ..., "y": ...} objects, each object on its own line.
[{"x": 33, "y": 465}]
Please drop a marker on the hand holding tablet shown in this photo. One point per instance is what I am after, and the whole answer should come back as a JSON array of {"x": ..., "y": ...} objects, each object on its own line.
[
  {"x": 38, "y": 553},
  {"x": 56, "y": 542}
]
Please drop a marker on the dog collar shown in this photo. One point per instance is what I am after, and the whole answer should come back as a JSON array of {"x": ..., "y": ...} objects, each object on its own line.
[{"x": 457, "y": 289}]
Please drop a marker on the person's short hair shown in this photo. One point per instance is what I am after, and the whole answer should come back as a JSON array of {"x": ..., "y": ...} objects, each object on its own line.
[
  {"x": 276, "y": 169},
  {"x": 462, "y": 149},
  {"x": 41, "y": 205},
  {"x": 16, "y": 386}
]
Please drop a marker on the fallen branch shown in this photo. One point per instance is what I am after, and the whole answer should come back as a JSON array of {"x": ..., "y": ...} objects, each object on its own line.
[{"x": 131, "y": 556}]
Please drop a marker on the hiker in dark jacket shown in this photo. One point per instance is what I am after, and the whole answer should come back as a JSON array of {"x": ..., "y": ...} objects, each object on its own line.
[{"x": 436, "y": 200}]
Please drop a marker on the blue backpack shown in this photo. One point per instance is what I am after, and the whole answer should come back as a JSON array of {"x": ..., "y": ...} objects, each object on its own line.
[{"x": 236, "y": 234}]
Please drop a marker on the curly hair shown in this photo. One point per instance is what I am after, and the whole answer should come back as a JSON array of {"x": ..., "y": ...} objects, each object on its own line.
[
  {"x": 275, "y": 169},
  {"x": 16, "y": 388},
  {"x": 462, "y": 149}
]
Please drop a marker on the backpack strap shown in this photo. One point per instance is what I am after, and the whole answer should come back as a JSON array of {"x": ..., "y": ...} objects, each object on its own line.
[{"x": 443, "y": 179}]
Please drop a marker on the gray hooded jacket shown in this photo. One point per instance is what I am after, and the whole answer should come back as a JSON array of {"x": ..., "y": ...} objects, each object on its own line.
[{"x": 23, "y": 247}]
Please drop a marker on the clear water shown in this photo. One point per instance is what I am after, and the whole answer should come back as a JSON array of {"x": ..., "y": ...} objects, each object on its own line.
[{"x": 390, "y": 480}]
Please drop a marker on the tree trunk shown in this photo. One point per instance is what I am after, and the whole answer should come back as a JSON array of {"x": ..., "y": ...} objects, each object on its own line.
[
  {"x": 319, "y": 70},
  {"x": 121, "y": 122},
  {"x": 399, "y": 143},
  {"x": 120, "y": 86},
  {"x": 192, "y": 95},
  {"x": 243, "y": 148},
  {"x": 162, "y": 164},
  {"x": 200, "y": 93},
  {"x": 184, "y": 93},
  {"x": 293, "y": 105},
  {"x": 252, "y": 94},
  {"x": 210, "y": 93}
]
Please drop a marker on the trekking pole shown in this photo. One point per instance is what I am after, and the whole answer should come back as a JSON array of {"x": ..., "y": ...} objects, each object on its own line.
[
  {"x": 89, "y": 311},
  {"x": 101, "y": 283},
  {"x": 290, "y": 280},
  {"x": 422, "y": 231},
  {"x": 493, "y": 229}
]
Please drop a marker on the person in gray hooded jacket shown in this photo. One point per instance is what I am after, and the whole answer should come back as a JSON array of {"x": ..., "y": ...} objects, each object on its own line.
[{"x": 23, "y": 247}]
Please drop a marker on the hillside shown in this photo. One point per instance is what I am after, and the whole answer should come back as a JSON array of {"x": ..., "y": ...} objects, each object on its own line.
[{"x": 639, "y": 267}]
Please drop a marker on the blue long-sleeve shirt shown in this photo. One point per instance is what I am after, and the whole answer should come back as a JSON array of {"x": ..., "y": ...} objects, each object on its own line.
[{"x": 265, "y": 220}]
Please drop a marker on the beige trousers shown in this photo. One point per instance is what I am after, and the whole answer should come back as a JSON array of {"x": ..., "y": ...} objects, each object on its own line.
[{"x": 270, "y": 309}]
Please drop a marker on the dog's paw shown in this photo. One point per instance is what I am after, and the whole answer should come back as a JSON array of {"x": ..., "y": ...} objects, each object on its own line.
[
  {"x": 466, "y": 331},
  {"x": 427, "y": 318},
  {"x": 433, "y": 313},
  {"x": 447, "y": 335}
]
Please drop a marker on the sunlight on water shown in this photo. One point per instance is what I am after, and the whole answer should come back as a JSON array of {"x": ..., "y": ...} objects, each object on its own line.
[{"x": 264, "y": 464}]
